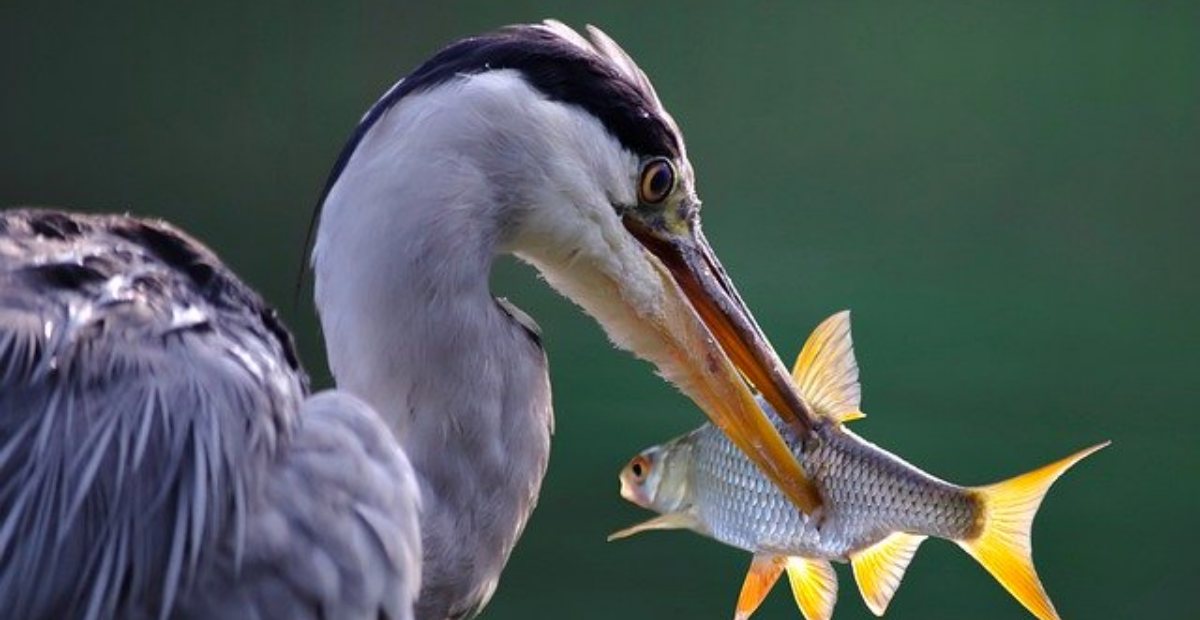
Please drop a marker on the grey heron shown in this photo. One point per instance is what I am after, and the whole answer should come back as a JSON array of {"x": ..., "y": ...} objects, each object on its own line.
[{"x": 160, "y": 455}]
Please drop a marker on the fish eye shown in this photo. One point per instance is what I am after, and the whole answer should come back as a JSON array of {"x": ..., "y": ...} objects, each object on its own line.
[
  {"x": 640, "y": 468},
  {"x": 658, "y": 181}
]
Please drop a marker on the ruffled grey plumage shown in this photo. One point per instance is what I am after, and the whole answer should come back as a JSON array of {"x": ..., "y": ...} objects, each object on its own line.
[{"x": 155, "y": 456}]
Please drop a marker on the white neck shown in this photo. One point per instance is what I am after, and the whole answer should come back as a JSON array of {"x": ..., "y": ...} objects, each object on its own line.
[{"x": 402, "y": 258}]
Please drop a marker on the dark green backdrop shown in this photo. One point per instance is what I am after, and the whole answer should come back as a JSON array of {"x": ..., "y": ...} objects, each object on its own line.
[{"x": 1004, "y": 193}]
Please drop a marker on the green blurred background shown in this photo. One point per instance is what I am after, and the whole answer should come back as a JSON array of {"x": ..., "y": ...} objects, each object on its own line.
[{"x": 1005, "y": 194}]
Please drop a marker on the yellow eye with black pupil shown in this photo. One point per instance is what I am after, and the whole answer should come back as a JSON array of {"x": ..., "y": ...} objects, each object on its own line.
[{"x": 658, "y": 179}]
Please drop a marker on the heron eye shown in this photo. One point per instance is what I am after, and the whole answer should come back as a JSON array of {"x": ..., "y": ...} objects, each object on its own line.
[
  {"x": 658, "y": 179},
  {"x": 640, "y": 467}
]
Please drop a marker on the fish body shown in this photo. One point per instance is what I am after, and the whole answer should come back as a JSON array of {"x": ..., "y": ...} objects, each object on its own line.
[
  {"x": 876, "y": 508},
  {"x": 868, "y": 493}
]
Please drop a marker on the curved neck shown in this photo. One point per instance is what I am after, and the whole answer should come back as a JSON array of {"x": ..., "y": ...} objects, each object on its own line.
[
  {"x": 401, "y": 292},
  {"x": 402, "y": 258}
]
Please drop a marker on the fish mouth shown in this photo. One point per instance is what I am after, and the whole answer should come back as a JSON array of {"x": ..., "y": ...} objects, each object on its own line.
[
  {"x": 731, "y": 339},
  {"x": 632, "y": 494}
]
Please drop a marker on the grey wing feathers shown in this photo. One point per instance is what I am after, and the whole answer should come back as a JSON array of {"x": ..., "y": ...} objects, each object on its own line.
[
  {"x": 147, "y": 400},
  {"x": 336, "y": 533}
]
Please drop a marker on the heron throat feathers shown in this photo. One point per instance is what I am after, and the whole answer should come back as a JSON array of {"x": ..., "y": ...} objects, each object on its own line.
[{"x": 442, "y": 183}]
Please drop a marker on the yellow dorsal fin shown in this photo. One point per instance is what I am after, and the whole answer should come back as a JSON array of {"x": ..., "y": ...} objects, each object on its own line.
[
  {"x": 879, "y": 568},
  {"x": 814, "y": 586},
  {"x": 826, "y": 372},
  {"x": 671, "y": 521},
  {"x": 1003, "y": 545}
]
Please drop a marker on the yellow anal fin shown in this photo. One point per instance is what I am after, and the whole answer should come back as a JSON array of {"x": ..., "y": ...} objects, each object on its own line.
[
  {"x": 814, "y": 586},
  {"x": 764, "y": 572},
  {"x": 672, "y": 521},
  {"x": 1003, "y": 544},
  {"x": 826, "y": 373},
  {"x": 878, "y": 569}
]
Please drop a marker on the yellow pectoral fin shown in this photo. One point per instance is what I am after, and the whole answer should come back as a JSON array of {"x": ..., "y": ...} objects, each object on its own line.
[
  {"x": 673, "y": 521},
  {"x": 764, "y": 572},
  {"x": 879, "y": 568},
  {"x": 826, "y": 373},
  {"x": 814, "y": 586}
]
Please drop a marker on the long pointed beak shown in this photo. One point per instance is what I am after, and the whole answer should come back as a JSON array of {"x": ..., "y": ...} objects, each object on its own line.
[{"x": 699, "y": 276}]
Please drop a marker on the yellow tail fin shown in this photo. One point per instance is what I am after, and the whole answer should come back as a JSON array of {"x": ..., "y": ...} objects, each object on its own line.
[{"x": 1003, "y": 545}]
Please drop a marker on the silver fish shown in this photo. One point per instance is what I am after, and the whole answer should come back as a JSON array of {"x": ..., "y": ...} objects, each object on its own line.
[{"x": 876, "y": 508}]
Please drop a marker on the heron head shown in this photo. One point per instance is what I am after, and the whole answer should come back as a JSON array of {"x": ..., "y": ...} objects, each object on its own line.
[
  {"x": 560, "y": 143},
  {"x": 615, "y": 225}
]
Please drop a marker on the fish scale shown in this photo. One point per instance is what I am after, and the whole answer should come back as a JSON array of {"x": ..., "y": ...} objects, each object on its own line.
[
  {"x": 875, "y": 508},
  {"x": 868, "y": 493}
]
